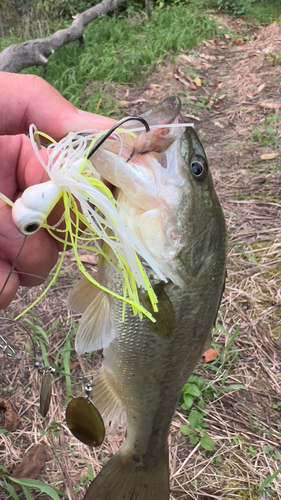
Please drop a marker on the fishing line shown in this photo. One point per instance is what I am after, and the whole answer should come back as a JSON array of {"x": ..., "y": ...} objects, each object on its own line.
[{"x": 13, "y": 267}]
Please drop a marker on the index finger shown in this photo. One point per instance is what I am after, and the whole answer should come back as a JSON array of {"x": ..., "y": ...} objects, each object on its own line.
[{"x": 27, "y": 99}]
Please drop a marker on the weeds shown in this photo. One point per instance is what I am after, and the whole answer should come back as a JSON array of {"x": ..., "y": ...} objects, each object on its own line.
[
  {"x": 265, "y": 11},
  {"x": 267, "y": 133},
  {"x": 26, "y": 485},
  {"x": 124, "y": 51}
]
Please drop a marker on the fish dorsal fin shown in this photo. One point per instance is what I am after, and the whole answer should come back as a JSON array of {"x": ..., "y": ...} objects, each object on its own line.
[
  {"x": 81, "y": 295},
  {"x": 96, "y": 329}
]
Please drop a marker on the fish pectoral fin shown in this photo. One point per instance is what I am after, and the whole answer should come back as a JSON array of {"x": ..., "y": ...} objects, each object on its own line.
[
  {"x": 165, "y": 317},
  {"x": 123, "y": 478},
  {"x": 96, "y": 329},
  {"x": 81, "y": 295},
  {"x": 106, "y": 400}
]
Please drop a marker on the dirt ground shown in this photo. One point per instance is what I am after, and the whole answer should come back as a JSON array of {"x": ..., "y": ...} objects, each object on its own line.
[{"x": 231, "y": 89}]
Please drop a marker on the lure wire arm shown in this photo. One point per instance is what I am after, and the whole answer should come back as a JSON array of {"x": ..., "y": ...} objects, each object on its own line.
[
  {"x": 87, "y": 380},
  {"x": 112, "y": 129},
  {"x": 26, "y": 331}
]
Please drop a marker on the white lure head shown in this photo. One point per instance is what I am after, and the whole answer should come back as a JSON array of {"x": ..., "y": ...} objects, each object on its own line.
[{"x": 31, "y": 210}]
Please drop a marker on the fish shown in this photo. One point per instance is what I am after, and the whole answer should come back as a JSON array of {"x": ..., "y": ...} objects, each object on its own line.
[{"x": 168, "y": 199}]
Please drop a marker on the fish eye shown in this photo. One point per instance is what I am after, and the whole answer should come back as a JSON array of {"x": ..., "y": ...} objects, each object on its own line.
[
  {"x": 31, "y": 228},
  {"x": 199, "y": 168}
]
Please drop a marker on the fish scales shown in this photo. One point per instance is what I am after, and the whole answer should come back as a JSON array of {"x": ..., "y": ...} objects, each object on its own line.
[{"x": 146, "y": 364}]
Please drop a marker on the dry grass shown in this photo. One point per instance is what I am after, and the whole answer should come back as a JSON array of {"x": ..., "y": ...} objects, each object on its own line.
[{"x": 243, "y": 423}]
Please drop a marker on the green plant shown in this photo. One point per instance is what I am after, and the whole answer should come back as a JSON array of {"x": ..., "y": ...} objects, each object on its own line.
[
  {"x": 268, "y": 480},
  {"x": 272, "y": 451},
  {"x": 265, "y": 10},
  {"x": 196, "y": 430},
  {"x": 267, "y": 133},
  {"x": 6, "y": 482},
  {"x": 192, "y": 391},
  {"x": 235, "y": 7},
  {"x": 252, "y": 451},
  {"x": 87, "y": 478}
]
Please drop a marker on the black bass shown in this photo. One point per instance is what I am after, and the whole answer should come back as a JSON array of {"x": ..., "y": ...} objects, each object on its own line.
[{"x": 168, "y": 199}]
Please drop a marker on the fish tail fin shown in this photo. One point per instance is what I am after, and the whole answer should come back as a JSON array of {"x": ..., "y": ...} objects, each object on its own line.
[{"x": 122, "y": 478}]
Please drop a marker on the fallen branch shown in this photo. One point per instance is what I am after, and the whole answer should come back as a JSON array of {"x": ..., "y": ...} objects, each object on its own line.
[{"x": 36, "y": 52}]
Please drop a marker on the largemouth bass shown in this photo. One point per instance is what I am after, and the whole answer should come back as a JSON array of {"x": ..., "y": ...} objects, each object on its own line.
[{"x": 169, "y": 201}]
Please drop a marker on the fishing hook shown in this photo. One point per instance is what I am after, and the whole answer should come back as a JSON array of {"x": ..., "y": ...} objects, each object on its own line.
[{"x": 112, "y": 129}]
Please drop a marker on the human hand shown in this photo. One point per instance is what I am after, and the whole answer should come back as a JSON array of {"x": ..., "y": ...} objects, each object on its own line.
[{"x": 26, "y": 99}]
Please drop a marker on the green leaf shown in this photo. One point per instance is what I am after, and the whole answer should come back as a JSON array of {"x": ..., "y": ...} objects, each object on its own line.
[
  {"x": 45, "y": 488},
  {"x": 27, "y": 493},
  {"x": 193, "y": 439},
  {"x": 205, "y": 425},
  {"x": 11, "y": 490},
  {"x": 207, "y": 443},
  {"x": 184, "y": 407},
  {"x": 201, "y": 404},
  {"x": 185, "y": 430},
  {"x": 195, "y": 418},
  {"x": 192, "y": 389},
  {"x": 233, "y": 387},
  {"x": 188, "y": 401},
  {"x": 3, "y": 470},
  {"x": 3, "y": 431},
  {"x": 201, "y": 383},
  {"x": 268, "y": 480}
]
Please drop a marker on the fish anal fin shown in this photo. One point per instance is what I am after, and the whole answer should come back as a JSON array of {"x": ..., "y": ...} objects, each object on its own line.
[
  {"x": 123, "y": 478},
  {"x": 96, "y": 329},
  {"x": 106, "y": 400}
]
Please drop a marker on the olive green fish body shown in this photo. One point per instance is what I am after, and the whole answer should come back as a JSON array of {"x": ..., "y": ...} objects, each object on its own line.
[{"x": 146, "y": 364}]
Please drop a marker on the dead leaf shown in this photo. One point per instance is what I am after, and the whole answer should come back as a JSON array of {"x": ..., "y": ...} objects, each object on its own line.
[
  {"x": 193, "y": 117},
  {"x": 226, "y": 36},
  {"x": 31, "y": 465},
  {"x": 269, "y": 105},
  {"x": 218, "y": 124},
  {"x": 187, "y": 59},
  {"x": 126, "y": 104},
  {"x": 186, "y": 84},
  {"x": 153, "y": 86},
  {"x": 206, "y": 65},
  {"x": 210, "y": 355},
  {"x": 259, "y": 89},
  {"x": 192, "y": 86},
  {"x": 74, "y": 365},
  {"x": 127, "y": 93},
  {"x": 269, "y": 156},
  {"x": 92, "y": 258},
  {"x": 237, "y": 41},
  {"x": 207, "y": 57},
  {"x": 197, "y": 81},
  {"x": 11, "y": 418}
]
